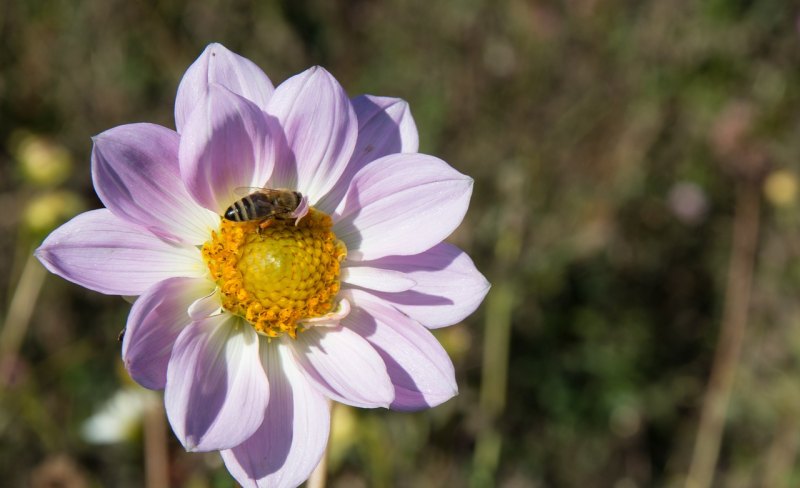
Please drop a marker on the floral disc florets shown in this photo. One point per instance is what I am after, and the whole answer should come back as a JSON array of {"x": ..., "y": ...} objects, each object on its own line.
[{"x": 276, "y": 275}]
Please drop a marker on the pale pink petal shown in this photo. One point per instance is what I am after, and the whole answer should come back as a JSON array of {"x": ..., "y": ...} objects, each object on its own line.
[
  {"x": 320, "y": 128},
  {"x": 155, "y": 321},
  {"x": 421, "y": 371},
  {"x": 136, "y": 175},
  {"x": 448, "y": 286},
  {"x": 219, "y": 65},
  {"x": 401, "y": 204},
  {"x": 102, "y": 252},
  {"x": 208, "y": 304},
  {"x": 301, "y": 211},
  {"x": 217, "y": 390},
  {"x": 344, "y": 366},
  {"x": 226, "y": 144},
  {"x": 385, "y": 126},
  {"x": 294, "y": 434},
  {"x": 376, "y": 278}
]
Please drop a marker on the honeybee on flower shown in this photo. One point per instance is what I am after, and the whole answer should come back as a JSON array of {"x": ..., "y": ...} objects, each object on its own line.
[
  {"x": 251, "y": 330},
  {"x": 266, "y": 204}
]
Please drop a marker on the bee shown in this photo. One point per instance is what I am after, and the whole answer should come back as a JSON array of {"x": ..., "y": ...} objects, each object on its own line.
[{"x": 265, "y": 204}]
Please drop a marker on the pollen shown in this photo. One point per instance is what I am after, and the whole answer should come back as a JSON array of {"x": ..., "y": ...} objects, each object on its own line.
[{"x": 276, "y": 275}]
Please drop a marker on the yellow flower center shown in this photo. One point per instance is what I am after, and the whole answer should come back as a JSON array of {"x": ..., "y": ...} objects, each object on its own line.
[{"x": 277, "y": 276}]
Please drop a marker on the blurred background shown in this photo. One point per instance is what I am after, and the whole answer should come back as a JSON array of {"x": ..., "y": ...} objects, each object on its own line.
[{"x": 635, "y": 208}]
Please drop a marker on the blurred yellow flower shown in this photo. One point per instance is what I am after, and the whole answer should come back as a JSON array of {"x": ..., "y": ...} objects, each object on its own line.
[
  {"x": 45, "y": 212},
  {"x": 344, "y": 434},
  {"x": 780, "y": 188},
  {"x": 43, "y": 162}
]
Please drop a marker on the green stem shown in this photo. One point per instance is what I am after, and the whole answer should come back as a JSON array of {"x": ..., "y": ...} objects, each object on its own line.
[{"x": 19, "y": 315}]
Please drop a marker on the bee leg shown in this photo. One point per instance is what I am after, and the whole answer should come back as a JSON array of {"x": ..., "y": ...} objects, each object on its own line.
[{"x": 264, "y": 224}]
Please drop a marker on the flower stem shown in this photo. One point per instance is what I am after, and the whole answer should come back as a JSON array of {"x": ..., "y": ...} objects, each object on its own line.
[
  {"x": 500, "y": 304},
  {"x": 319, "y": 475},
  {"x": 489, "y": 441},
  {"x": 18, "y": 316},
  {"x": 156, "y": 457},
  {"x": 731, "y": 336}
]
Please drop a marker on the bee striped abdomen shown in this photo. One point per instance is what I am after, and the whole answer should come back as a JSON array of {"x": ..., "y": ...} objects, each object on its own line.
[{"x": 241, "y": 210}]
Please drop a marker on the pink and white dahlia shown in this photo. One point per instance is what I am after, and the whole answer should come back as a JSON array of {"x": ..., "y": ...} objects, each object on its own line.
[{"x": 252, "y": 326}]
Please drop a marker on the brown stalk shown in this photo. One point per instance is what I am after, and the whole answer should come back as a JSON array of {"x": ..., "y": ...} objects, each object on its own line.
[
  {"x": 319, "y": 476},
  {"x": 156, "y": 457},
  {"x": 731, "y": 336}
]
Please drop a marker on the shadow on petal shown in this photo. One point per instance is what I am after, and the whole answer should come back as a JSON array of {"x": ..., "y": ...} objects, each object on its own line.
[
  {"x": 268, "y": 449},
  {"x": 292, "y": 438}
]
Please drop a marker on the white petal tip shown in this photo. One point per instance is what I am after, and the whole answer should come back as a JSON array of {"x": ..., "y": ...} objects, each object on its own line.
[
  {"x": 190, "y": 444},
  {"x": 330, "y": 319}
]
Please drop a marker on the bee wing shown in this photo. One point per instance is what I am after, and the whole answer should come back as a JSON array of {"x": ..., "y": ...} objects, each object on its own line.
[{"x": 243, "y": 191}]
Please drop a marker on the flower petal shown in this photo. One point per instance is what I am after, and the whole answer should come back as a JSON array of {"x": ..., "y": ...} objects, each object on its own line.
[
  {"x": 321, "y": 130},
  {"x": 102, "y": 252},
  {"x": 217, "y": 390},
  {"x": 292, "y": 439},
  {"x": 344, "y": 366},
  {"x": 376, "y": 278},
  {"x": 136, "y": 175},
  {"x": 155, "y": 321},
  {"x": 385, "y": 126},
  {"x": 226, "y": 144},
  {"x": 401, "y": 204},
  {"x": 421, "y": 371},
  {"x": 219, "y": 65},
  {"x": 448, "y": 286},
  {"x": 206, "y": 305}
]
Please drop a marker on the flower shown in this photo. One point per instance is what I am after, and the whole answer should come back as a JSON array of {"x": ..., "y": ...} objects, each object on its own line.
[
  {"x": 120, "y": 417},
  {"x": 252, "y": 327}
]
